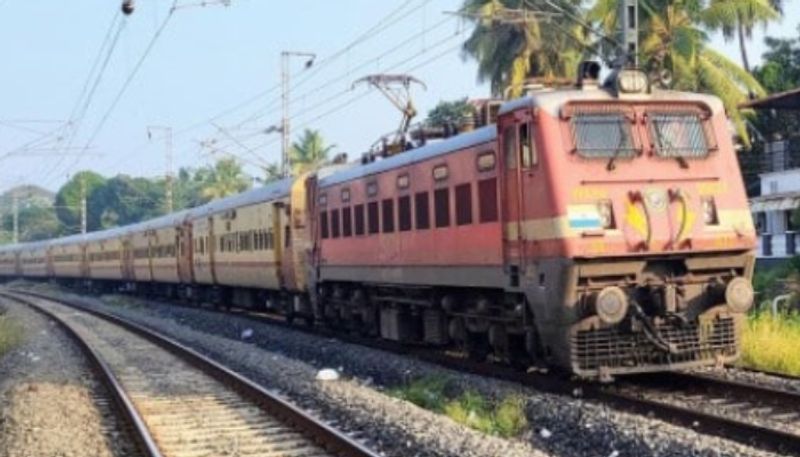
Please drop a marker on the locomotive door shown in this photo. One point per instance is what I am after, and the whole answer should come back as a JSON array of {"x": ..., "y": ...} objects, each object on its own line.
[{"x": 519, "y": 159}]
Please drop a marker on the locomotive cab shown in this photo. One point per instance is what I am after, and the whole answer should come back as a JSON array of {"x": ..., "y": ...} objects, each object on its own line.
[{"x": 626, "y": 225}]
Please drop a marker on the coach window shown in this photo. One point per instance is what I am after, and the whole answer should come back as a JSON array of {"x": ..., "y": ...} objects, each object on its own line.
[
  {"x": 509, "y": 147},
  {"x": 359, "y": 219},
  {"x": 387, "y": 211},
  {"x": 372, "y": 218},
  {"x": 527, "y": 146},
  {"x": 487, "y": 200},
  {"x": 347, "y": 221},
  {"x": 323, "y": 224},
  {"x": 441, "y": 207},
  {"x": 335, "y": 223},
  {"x": 422, "y": 210},
  {"x": 404, "y": 213},
  {"x": 463, "y": 204}
]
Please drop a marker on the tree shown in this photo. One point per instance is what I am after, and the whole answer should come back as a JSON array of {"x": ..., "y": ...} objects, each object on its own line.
[
  {"x": 509, "y": 50},
  {"x": 37, "y": 221},
  {"x": 779, "y": 72},
  {"x": 449, "y": 113},
  {"x": 739, "y": 17},
  {"x": 124, "y": 200},
  {"x": 68, "y": 198},
  {"x": 309, "y": 153},
  {"x": 224, "y": 179},
  {"x": 272, "y": 173},
  {"x": 674, "y": 42}
]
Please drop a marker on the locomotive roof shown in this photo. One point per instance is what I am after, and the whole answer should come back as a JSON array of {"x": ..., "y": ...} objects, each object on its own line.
[
  {"x": 465, "y": 140},
  {"x": 268, "y": 192},
  {"x": 552, "y": 101}
]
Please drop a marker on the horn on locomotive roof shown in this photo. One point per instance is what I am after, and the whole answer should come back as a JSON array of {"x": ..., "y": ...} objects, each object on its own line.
[{"x": 127, "y": 7}]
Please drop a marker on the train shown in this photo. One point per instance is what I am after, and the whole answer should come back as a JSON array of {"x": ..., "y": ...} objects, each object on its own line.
[{"x": 600, "y": 229}]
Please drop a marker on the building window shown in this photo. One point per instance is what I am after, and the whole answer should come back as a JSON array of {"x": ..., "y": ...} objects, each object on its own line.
[
  {"x": 347, "y": 221},
  {"x": 463, "y": 204},
  {"x": 372, "y": 218},
  {"x": 792, "y": 225},
  {"x": 359, "y": 220},
  {"x": 335, "y": 223},
  {"x": 422, "y": 212},
  {"x": 487, "y": 200},
  {"x": 404, "y": 213},
  {"x": 441, "y": 207},
  {"x": 387, "y": 210},
  {"x": 323, "y": 224}
]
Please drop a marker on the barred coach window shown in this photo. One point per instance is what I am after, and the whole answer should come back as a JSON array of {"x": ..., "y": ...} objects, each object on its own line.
[
  {"x": 487, "y": 200},
  {"x": 335, "y": 223},
  {"x": 464, "y": 204},
  {"x": 359, "y": 219},
  {"x": 323, "y": 224},
  {"x": 387, "y": 210},
  {"x": 347, "y": 222},
  {"x": 422, "y": 210},
  {"x": 372, "y": 218},
  {"x": 441, "y": 206},
  {"x": 404, "y": 213}
]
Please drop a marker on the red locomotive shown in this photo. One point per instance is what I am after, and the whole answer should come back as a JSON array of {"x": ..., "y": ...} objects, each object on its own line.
[{"x": 602, "y": 230}]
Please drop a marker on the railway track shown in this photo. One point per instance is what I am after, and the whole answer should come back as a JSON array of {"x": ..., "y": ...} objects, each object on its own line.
[
  {"x": 180, "y": 403},
  {"x": 747, "y": 413}
]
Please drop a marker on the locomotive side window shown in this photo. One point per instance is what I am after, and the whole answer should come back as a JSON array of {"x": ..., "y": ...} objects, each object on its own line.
[
  {"x": 372, "y": 218},
  {"x": 323, "y": 224},
  {"x": 404, "y": 213},
  {"x": 335, "y": 223},
  {"x": 678, "y": 135},
  {"x": 441, "y": 207},
  {"x": 602, "y": 135},
  {"x": 509, "y": 147},
  {"x": 527, "y": 146},
  {"x": 359, "y": 220},
  {"x": 464, "y": 204},
  {"x": 422, "y": 213},
  {"x": 487, "y": 200},
  {"x": 347, "y": 221},
  {"x": 387, "y": 210}
]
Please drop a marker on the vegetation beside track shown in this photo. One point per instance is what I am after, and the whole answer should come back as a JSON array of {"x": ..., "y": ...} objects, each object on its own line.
[
  {"x": 10, "y": 333},
  {"x": 503, "y": 417},
  {"x": 770, "y": 343}
]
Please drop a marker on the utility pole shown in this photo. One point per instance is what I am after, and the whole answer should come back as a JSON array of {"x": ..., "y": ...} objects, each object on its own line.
[
  {"x": 83, "y": 204},
  {"x": 285, "y": 128},
  {"x": 15, "y": 210},
  {"x": 169, "y": 203},
  {"x": 629, "y": 32}
]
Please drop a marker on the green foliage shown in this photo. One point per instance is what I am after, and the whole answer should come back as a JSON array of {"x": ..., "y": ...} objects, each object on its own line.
[
  {"x": 68, "y": 198},
  {"x": 226, "y": 178},
  {"x": 124, "y": 200},
  {"x": 770, "y": 343},
  {"x": 779, "y": 72},
  {"x": 510, "y": 52},
  {"x": 10, "y": 334},
  {"x": 449, "y": 113},
  {"x": 309, "y": 153},
  {"x": 504, "y": 418},
  {"x": 37, "y": 221}
]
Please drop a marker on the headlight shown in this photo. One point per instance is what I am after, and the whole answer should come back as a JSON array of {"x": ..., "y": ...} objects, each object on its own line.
[
  {"x": 611, "y": 305},
  {"x": 710, "y": 216},
  {"x": 632, "y": 82},
  {"x": 739, "y": 295},
  {"x": 606, "y": 212}
]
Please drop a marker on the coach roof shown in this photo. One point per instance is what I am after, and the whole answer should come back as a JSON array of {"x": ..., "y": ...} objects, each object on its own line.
[
  {"x": 465, "y": 140},
  {"x": 261, "y": 194}
]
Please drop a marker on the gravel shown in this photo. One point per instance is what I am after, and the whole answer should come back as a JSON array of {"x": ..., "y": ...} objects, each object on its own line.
[
  {"x": 287, "y": 360},
  {"x": 44, "y": 380}
]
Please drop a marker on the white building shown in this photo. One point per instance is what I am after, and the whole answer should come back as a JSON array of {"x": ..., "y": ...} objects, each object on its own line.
[{"x": 778, "y": 237}]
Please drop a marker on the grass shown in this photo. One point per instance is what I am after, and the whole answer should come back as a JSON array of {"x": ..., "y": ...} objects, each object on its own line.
[
  {"x": 504, "y": 417},
  {"x": 10, "y": 334},
  {"x": 771, "y": 343}
]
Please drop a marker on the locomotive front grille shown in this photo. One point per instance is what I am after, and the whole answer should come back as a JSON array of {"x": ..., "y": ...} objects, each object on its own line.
[{"x": 619, "y": 351}]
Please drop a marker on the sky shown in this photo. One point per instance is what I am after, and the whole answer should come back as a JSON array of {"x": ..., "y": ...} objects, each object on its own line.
[{"x": 212, "y": 74}]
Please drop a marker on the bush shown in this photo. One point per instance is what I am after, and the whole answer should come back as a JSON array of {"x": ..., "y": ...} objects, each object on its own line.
[
  {"x": 10, "y": 334},
  {"x": 770, "y": 343}
]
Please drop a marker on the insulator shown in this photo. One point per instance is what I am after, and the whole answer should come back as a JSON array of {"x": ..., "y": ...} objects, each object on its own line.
[{"x": 128, "y": 7}]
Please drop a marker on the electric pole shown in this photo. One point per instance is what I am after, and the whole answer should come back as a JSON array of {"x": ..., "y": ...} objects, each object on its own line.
[
  {"x": 169, "y": 203},
  {"x": 83, "y": 204},
  {"x": 15, "y": 210},
  {"x": 285, "y": 128},
  {"x": 629, "y": 32}
]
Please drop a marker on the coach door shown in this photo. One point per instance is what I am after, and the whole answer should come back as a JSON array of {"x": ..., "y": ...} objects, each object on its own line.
[
  {"x": 518, "y": 158},
  {"x": 185, "y": 253}
]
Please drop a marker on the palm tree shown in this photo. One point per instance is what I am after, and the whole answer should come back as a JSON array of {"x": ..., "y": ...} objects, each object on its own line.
[
  {"x": 309, "y": 153},
  {"x": 673, "y": 43},
  {"x": 739, "y": 17},
  {"x": 224, "y": 179},
  {"x": 512, "y": 42}
]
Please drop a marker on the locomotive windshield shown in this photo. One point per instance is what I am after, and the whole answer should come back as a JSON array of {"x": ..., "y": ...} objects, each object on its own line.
[
  {"x": 603, "y": 135},
  {"x": 678, "y": 135}
]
